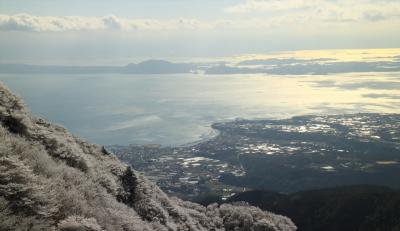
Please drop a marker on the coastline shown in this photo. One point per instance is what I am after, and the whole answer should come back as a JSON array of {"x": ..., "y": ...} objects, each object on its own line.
[{"x": 202, "y": 138}]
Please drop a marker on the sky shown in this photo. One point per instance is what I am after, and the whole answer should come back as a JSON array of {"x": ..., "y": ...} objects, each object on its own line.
[{"x": 121, "y": 31}]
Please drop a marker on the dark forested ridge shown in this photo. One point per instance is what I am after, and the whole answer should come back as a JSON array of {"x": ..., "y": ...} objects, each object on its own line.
[{"x": 347, "y": 208}]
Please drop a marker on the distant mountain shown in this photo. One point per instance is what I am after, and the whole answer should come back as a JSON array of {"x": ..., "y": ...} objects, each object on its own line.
[
  {"x": 158, "y": 67},
  {"x": 310, "y": 67},
  {"x": 45, "y": 69},
  {"x": 223, "y": 69},
  {"x": 268, "y": 66},
  {"x": 349, "y": 208},
  {"x": 52, "y": 180},
  {"x": 146, "y": 67}
]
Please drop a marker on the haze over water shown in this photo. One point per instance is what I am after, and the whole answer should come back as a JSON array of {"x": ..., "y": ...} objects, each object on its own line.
[{"x": 178, "y": 109}]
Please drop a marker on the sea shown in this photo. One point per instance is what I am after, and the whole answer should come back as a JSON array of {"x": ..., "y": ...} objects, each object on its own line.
[{"x": 176, "y": 109}]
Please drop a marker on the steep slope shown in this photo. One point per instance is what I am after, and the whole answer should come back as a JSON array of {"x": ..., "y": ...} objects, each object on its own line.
[
  {"x": 357, "y": 207},
  {"x": 52, "y": 180}
]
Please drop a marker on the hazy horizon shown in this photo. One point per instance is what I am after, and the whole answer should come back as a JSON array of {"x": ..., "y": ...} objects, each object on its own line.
[{"x": 70, "y": 32}]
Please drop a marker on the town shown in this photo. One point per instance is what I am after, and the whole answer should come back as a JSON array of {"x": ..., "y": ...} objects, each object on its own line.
[{"x": 282, "y": 155}]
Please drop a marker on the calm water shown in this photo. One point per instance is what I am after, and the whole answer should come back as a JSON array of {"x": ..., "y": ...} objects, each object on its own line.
[{"x": 177, "y": 109}]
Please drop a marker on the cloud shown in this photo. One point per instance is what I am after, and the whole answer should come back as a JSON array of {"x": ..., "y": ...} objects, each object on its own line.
[
  {"x": 26, "y": 22},
  {"x": 384, "y": 96},
  {"x": 268, "y": 6},
  {"x": 112, "y": 22},
  {"x": 266, "y": 15},
  {"x": 322, "y": 10}
]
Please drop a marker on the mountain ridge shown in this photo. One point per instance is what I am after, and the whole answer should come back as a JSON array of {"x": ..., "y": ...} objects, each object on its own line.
[
  {"x": 354, "y": 207},
  {"x": 264, "y": 66}
]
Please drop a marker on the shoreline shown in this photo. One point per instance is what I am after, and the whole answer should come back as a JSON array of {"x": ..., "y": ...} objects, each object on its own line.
[
  {"x": 214, "y": 132},
  {"x": 203, "y": 138}
]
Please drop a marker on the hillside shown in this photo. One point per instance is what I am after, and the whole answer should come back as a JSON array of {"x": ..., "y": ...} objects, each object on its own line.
[
  {"x": 358, "y": 207},
  {"x": 52, "y": 180}
]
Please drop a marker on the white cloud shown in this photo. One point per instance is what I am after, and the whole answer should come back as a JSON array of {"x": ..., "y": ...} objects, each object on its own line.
[
  {"x": 268, "y": 5},
  {"x": 322, "y": 10},
  {"x": 26, "y": 22},
  {"x": 266, "y": 15}
]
